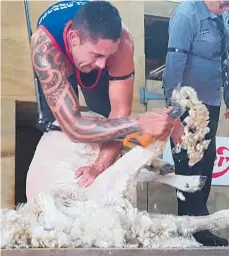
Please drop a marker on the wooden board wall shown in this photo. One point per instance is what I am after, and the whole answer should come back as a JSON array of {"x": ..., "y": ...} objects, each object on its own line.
[{"x": 17, "y": 76}]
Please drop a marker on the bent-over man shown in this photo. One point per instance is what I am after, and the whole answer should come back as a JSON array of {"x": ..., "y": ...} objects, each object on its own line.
[{"x": 85, "y": 43}]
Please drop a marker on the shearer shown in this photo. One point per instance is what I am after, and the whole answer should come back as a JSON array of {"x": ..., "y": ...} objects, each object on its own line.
[{"x": 85, "y": 44}]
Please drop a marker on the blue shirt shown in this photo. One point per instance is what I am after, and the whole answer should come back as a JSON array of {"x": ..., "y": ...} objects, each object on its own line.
[
  {"x": 56, "y": 17},
  {"x": 193, "y": 30}
]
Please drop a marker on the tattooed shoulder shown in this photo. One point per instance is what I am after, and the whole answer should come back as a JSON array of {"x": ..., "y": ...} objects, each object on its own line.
[
  {"x": 37, "y": 36},
  {"x": 51, "y": 65}
]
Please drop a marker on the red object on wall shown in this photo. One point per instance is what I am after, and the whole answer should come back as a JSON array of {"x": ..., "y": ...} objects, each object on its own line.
[{"x": 222, "y": 161}]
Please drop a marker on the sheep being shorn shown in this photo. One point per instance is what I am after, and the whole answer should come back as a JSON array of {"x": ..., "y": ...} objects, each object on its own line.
[{"x": 103, "y": 215}]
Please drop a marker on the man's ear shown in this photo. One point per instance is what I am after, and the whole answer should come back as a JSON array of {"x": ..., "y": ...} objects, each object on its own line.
[{"x": 73, "y": 38}]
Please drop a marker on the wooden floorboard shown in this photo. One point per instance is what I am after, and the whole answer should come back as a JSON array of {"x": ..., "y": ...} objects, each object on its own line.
[{"x": 204, "y": 251}]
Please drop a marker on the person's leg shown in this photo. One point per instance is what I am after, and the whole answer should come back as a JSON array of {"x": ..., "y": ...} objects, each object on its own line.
[
  {"x": 210, "y": 154},
  {"x": 206, "y": 237},
  {"x": 195, "y": 203}
]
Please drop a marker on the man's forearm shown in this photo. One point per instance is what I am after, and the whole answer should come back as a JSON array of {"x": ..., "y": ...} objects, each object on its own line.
[{"x": 109, "y": 152}]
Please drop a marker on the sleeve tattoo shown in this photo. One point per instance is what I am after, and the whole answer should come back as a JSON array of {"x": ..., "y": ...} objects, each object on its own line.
[{"x": 53, "y": 69}]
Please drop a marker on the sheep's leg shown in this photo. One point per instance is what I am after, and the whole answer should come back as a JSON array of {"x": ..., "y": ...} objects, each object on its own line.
[
  {"x": 184, "y": 183},
  {"x": 118, "y": 179},
  {"x": 192, "y": 224},
  {"x": 153, "y": 226},
  {"x": 51, "y": 217}
]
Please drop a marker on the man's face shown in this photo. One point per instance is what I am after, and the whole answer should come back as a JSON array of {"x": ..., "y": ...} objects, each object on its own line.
[
  {"x": 89, "y": 55},
  {"x": 218, "y": 7}
]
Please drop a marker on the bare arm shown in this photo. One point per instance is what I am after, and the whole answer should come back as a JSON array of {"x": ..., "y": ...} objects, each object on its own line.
[
  {"x": 121, "y": 95},
  {"x": 53, "y": 69},
  {"x": 121, "y": 102}
]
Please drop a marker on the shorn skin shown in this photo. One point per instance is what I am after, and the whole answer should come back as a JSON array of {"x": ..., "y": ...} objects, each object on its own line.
[{"x": 103, "y": 214}]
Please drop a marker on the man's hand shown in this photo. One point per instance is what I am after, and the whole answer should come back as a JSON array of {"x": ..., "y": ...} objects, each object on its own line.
[
  {"x": 226, "y": 115},
  {"x": 157, "y": 123},
  {"x": 108, "y": 153},
  {"x": 87, "y": 175},
  {"x": 178, "y": 132}
]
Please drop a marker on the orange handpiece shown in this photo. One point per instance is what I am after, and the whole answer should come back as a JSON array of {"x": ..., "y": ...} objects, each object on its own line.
[{"x": 137, "y": 139}]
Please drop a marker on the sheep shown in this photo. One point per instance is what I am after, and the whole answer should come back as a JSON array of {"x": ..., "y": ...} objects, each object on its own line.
[
  {"x": 62, "y": 214},
  {"x": 101, "y": 215}
]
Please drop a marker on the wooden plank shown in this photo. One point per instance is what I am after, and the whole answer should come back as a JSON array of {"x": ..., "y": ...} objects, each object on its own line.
[
  {"x": 7, "y": 153},
  {"x": 7, "y": 125},
  {"x": 13, "y": 20},
  {"x": 161, "y": 8},
  {"x": 135, "y": 23},
  {"x": 219, "y": 200},
  {"x": 162, "y": 199},
  {"x": 155, "y": 86},
  {"x": 17, "y": 77},
  {"x": 7, "y": 180},
  {"x": 205, "y": 251},
  {"x": 37, "y": 8},
  {"x": 142, "y": 197}
]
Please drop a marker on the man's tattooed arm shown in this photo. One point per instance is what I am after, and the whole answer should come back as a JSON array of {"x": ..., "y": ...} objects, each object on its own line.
[{"x": 53, "y": 69}]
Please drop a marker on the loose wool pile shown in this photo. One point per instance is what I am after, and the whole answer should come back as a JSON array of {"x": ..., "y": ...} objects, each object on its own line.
[
  {"x": 73, "y": 223},
  {"x": 102, "y": 215}
]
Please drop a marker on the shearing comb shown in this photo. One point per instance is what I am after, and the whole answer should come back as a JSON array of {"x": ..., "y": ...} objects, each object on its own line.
[{"x": 144, "y": 140}]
